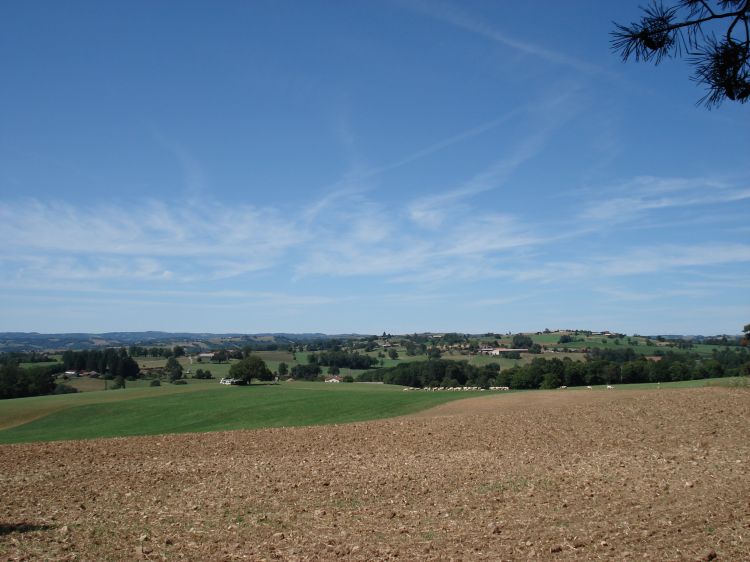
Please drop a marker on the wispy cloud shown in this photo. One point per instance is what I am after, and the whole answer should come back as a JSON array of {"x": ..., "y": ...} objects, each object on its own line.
[
  {"x": 446, "y": 142},
  {"x": 619, "y": 294},
  {"x": 455, "y": 16},
  {"x": 430, "y": 212},
  {"x": 666, "y": 257},
  {"x": 652, "y": 193},
  {"x": 152, "y": 239},
  {"x": 193, "y": 178},
  {"x": 690, "y": 259}
]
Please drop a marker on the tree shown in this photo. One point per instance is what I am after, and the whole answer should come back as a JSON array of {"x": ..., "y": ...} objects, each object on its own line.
[
  {"x": 252, "y": 367},
  {"x": 129, "y": 368},
  {"x": 309, "y": 372},
  {"x": 746, "y": 339},
  {"x": 178, "y": 351},
  {"x": 551, "y": 380},
  {"x": 521, "y": 341},
  {"x": 393, "y": 354},
  {"x": 173, "y": 369},
  {"x": 283, "y": 369},
  {"x": 721, "y": 64}
]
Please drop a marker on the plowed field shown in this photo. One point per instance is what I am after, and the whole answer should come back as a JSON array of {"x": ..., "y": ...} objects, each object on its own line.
[{"x": 559, "y": 475}]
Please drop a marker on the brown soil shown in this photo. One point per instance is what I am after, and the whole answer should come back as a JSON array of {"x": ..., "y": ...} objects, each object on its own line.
[{"x": 619, "y": 475}]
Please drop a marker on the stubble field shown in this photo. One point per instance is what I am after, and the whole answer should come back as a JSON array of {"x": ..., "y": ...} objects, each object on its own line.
[{"x": 558, "y": 475}]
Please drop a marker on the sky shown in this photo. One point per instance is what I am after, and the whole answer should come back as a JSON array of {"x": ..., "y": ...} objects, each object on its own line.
[{"x": 360, "y": 167}]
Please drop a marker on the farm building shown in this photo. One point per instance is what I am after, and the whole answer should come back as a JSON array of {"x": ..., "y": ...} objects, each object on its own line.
[{"x": 500, "y": 350}]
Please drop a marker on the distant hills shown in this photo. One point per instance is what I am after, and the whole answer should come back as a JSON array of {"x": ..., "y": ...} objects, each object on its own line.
[{"x": 33, "y": 341}]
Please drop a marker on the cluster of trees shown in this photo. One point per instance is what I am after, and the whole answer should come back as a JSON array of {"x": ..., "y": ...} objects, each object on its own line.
[
  {"x": 437, "y": 372},
  {"x": 522, "y": 341},
  {"x": 723, "y": 340},
  {"x": 413, "y": 348},
  {"x": 203, "y": 374},
  {"x": 16, "y": 382},
  {"x": 114, "y": 362},
  {"x": 454, "y": 338},
  {"x": 251, "y": 367},
  {"x": 140, "y": 351},
  {"x": 306, "y": 372},
  {"x": 332, "y": 344},
  {"x": 24, "y": 357},
  {"x": 608, "y": 366},
  {"x": 352, "y": 360}
]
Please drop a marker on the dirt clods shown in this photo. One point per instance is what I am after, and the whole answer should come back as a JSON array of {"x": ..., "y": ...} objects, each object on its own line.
[{"x": 573, "y": 475}]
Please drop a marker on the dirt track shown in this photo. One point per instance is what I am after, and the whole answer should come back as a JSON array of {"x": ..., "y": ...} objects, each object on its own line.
[{"x": 660, "y": 475}]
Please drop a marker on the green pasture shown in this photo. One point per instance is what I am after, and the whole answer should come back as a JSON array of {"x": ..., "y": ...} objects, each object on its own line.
[
  {"x": 201, "y": 406},
  {"x": 218, "y": 370},
  {"x": 86, "y": 384},
  {"x": 19, "y": 411},
  {"x": 151, "y": 362},
  {"x": 279, "y": 356},
  {"x": 655, "y": 386},
  {"x": 204, "y": 406},
  {"x": 703, "y": 349},
  {"x": 545, "y": 338},
  {"x": 38, "y": 364}
]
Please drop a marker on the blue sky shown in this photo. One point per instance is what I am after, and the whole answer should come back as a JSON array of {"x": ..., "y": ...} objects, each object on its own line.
[{"x": 361, "y": 167}]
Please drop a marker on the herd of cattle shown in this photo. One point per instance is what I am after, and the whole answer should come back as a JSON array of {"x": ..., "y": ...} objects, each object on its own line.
[{"x": 476, "y": 388}]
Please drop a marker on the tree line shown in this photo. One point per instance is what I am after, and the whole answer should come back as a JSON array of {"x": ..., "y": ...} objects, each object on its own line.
[
  {"x": 342, "y": 359},
  {"x": 112, "y": 361},
  {"x": 436, "y": 372},
  {"x": 601, "y": 367},
  {"x": 24, "y": 357}
]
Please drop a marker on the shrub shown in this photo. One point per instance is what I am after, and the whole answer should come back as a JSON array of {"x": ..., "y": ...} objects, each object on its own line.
[
  {"x": 179, "y": 381},
  {"x": 201, "y": 374},
  {"x": 64, "y": 389},
  {"x": 155, "y": 382},
  {"x": 347, "y": 378}
]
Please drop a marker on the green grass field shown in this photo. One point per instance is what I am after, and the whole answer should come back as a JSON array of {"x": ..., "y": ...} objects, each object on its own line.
[
  {"x": 204, "y": 406},
  {"x": 38, "y": 364},
  {"x": 22, "y": 410},
  {"x": 655, "y": 386}
]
